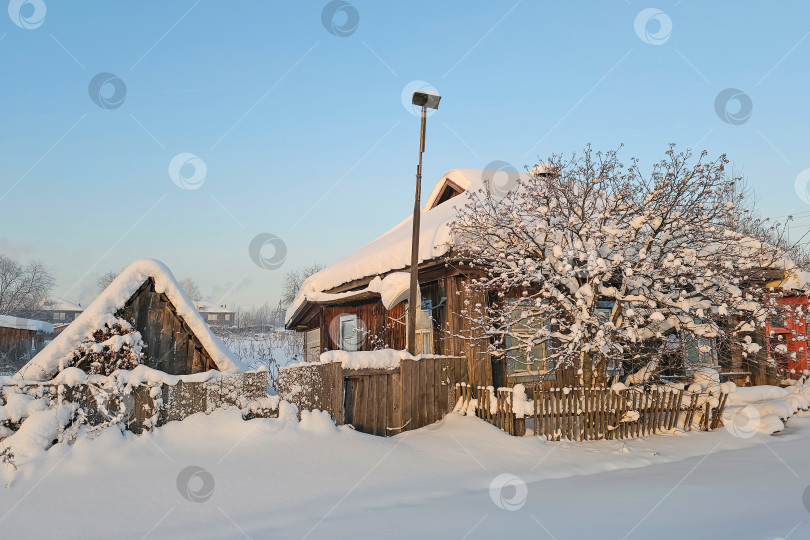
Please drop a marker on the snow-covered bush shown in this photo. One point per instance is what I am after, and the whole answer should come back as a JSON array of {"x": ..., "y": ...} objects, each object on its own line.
[{"x": 608, "y": 265}]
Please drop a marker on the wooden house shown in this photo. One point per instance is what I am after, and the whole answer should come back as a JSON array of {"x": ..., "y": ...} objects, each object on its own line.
[
  {"x": 359, "y": 303},
  {"x": 787, "y": 339},
  {"x": 145, "y": 294},
  {"x": 20, "y": 340},
  {"x": 59, "y": 311},
  {"x": 215, "y": 315}
]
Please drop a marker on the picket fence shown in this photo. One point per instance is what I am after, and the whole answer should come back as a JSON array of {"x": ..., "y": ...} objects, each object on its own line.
[{"x": 586, "y": 414}]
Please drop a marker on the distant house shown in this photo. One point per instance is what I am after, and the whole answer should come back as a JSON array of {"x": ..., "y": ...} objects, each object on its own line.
[
  {"x": 215, "y": 315},
  {"x": 58, "y": 311},
  {"x": 20, "y": 340},
  {"x": 787, "y": 340}
]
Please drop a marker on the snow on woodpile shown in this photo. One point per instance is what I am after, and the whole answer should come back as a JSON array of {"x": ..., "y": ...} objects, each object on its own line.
[
  {"x": 392, "y": 250},
  {"x": 6, "y": 321},
  {"x": 102, "y": 312}
]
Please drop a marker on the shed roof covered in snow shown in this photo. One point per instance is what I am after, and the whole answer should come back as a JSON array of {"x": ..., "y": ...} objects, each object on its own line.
[
  {"x": 204, "y": 306},
  {"x": 353, "y": 277},
  {"x": 54, "y": 303},
  {"x": 17, "y": 323},
  {"x": 392, "y": 251},
  {"x": 163, "y": 313}
]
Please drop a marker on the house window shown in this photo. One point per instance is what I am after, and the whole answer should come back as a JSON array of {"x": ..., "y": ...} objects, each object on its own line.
[
  {"x": 698, "y": 352},
  {"x": 424, "y": 328},
  {"x": 424, "y": 341},
  {"x": 603, "y": 310},
  {"x": 347, "y": 337},
  {"x": 312, "y": 345},
  {"x": 228, "y": 317},
  {"x": 526, "y": 352},
  {"x": 212, "y": 316},
  {"x": 59, "y": 316}
]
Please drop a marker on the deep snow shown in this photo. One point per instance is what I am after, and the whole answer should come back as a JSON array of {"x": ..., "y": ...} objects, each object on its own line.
[{"x": 276, "y": 478}]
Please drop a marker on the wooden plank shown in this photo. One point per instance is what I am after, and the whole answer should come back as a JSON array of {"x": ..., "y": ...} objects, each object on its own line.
[
  {"x": 389, "y": 424},
  {"x": 382, "y": 404},
  {"x": 349, "y": 401},
  {"x": 421, "y": 413},
  {"x": 408, "y": 387},
  {"x": 439, "y": 390},
  {"x": 429, "y": 384},
  {"x": 374, "y": 405},
  {"x": 359, "y": 404}
]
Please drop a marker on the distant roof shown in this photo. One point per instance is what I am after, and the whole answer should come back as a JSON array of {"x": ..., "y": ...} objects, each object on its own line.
[
  {"x": 392, "y": 250},
  {"x": 51, "y": 359},
  {"x": 54, "y": 303},
  {"x": 7, "y": 321},
  {"x": 210, "y": 307}
]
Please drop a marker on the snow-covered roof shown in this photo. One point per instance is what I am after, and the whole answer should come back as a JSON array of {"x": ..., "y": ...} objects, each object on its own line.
[
  {"x": 210, "y": 307},
  {"x": 50, "y": 360},
  {"x": 392, "y": 250},
  {"x": 54, "y": 303},
  {"x": 7, "y": 321}
]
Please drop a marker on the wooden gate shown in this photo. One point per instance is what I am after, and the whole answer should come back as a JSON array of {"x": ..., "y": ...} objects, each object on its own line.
[
  {"x": 369, "y": 402},
  {"x": 382, "y": 402}
]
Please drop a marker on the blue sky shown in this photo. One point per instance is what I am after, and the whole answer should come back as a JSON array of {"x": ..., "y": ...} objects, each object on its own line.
[{"x": 304, "y": 135}]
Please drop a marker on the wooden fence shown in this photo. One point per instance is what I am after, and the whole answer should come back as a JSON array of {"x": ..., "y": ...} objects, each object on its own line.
[
  {"x": 584, "y": 414},
  {"x": 377, "y": 401},
  {"x": 496, "y": 407}
]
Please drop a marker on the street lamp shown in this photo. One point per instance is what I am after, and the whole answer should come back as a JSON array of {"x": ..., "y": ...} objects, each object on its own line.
[{"x": 427, "y": 100}]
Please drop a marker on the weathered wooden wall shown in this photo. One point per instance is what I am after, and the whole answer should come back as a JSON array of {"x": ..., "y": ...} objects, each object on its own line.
[
  {"x": 18, "y": 346},
  {"x": 378, "y": 324},
  {"x": 171, "y": 345},
  {"x": 461, "y": 340},
  {"x": 453, "y": 334}
]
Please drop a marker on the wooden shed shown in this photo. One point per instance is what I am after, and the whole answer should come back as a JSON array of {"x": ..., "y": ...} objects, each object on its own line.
[
  {"x": 146, "y": 295},
  {"x": 20, "y": 340}
]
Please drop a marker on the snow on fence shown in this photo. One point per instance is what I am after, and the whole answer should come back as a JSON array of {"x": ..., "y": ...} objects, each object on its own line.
[
  {"x": 592, "y": 413},
  {"x": 376, "y": 397},
  {"x": 496, "y": 407},
  {"x": 136, "y": 402}
]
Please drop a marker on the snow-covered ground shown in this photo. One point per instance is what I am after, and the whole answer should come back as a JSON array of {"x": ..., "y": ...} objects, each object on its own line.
[{"x": 218, "y": 476}]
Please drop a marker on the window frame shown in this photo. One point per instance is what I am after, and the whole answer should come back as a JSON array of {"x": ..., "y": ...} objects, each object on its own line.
[{"x": 347, "y": 343}]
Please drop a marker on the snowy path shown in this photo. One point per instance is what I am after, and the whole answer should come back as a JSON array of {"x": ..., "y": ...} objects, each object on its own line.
[{"x": 279, "y": 479}]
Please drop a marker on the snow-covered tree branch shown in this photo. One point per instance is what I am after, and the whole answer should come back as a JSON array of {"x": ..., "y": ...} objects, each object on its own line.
[{"x": 605, "y": 265}]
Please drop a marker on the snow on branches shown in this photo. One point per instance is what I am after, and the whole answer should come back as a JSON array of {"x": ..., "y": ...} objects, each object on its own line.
[
  {"x": 605, "y": 263},
  {"x": 115, "y": 346}
]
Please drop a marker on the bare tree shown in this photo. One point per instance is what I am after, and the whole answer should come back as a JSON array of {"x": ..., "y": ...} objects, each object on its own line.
[
  {"x": 293, "y": 280},
  {"x": 191, "y": 288},
  {"x": 597, "y": 265},
  {"x": 23, "y": 287},
  {"x": 105, "y": 279},
  {"x": 748, "y": 221}
]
